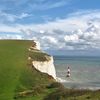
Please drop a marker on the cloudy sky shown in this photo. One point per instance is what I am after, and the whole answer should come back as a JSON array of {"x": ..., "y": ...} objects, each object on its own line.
[{"x": 59, "y": 25}]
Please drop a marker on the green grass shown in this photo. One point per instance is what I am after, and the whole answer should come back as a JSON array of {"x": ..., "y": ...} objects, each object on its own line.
[
  {"x": 12, "y": 61},
  {"x": 39, "y": 56}
]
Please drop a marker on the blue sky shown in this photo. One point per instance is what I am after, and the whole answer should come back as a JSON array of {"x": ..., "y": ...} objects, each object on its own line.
[
  {"x": 38, "y": 11},
  {"x": 41, "y": 11},
  {"x": 57, "y": 24}
]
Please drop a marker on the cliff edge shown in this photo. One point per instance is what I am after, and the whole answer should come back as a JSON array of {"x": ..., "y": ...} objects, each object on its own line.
[{"x": 41, "y": 60}]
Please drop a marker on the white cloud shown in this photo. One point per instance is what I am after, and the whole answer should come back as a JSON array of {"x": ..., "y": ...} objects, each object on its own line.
[
  {"x": 42, "y": 31},
  {"x": 50, "y": 39},
  {"x": 7, "y": 28},
  {"x": 11, "y": 18},
  {"x": 23, "y": 15},
  {"x": 8, "y": 36},
  {"x": 44, "y": 5},
  {"x": 73, "y": 37},
  {"x": 89, "y": 38},
  {"x": 70, "y": 23}
]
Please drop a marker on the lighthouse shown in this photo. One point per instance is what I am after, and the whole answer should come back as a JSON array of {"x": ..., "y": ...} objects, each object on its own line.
[{"x": 68, "y": 72}]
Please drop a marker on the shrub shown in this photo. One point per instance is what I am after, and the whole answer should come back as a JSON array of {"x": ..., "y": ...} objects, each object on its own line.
[
  {"x": 64, "y": 94},
  {"x": 55, "y": 85}
]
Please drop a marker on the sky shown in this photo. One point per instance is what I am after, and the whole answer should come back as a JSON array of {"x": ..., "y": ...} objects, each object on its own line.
[{"x": 59, "y": 25}]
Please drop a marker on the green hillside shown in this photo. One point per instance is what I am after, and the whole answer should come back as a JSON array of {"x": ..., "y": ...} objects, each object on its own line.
[{"x": 19, "y": 80}]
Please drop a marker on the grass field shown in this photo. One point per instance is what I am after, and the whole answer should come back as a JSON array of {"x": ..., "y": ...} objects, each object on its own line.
[{"x": 19, "y": 81}]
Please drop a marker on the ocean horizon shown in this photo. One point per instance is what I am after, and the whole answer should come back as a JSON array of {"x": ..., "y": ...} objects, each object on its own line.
[{"x": 85, "y": 71}]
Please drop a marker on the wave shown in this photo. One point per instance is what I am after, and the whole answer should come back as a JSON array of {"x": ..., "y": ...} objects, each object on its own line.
[{"x": 61, "y": 80}]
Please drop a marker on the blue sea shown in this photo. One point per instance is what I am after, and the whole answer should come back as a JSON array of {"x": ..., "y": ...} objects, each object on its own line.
[{"x": 85, "y": 71}]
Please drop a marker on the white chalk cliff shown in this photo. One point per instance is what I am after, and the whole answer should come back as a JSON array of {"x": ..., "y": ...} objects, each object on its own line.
[
  {"x": 45, "y": 66},
  {"x": 35, "y": 46}
]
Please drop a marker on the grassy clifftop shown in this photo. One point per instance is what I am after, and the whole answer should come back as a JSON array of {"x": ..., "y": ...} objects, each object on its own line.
[{"x": 37, "y": 55}]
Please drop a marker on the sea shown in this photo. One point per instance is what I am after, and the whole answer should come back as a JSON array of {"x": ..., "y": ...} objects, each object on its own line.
[{"x": 85, "y": 71}]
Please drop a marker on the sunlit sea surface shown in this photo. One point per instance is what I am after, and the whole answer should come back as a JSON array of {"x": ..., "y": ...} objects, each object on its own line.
[{"x": 85, "y": 71}]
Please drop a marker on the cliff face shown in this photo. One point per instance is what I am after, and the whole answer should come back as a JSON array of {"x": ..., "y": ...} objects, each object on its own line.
[
  {"x": 44, "y": 63},
  {"x": 45, "y": 67}
]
